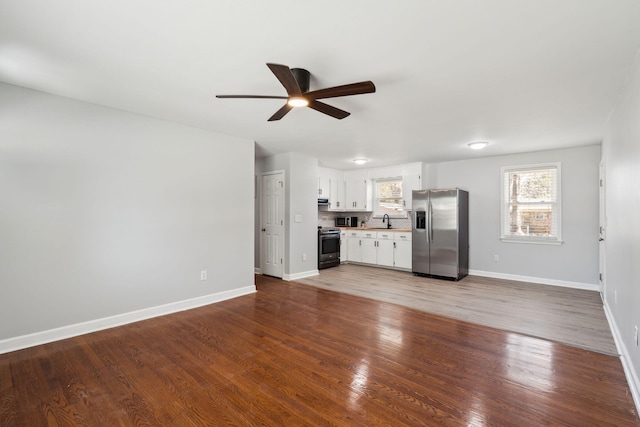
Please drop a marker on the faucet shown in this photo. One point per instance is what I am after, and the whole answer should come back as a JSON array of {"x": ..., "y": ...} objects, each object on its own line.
[{"x": 388, "y": 220}]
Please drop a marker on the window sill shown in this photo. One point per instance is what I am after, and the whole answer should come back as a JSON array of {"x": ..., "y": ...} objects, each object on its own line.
[{"x": 531, "y": 241}]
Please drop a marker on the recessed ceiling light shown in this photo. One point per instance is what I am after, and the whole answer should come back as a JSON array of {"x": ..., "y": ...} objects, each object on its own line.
[
  {"x": 360, "y": 161},
  {"x": 478, "y": 145},
  {"x": 297, "y": 102}
]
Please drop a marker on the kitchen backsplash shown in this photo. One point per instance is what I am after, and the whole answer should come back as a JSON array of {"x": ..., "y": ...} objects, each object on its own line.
[{"x": 328, "y": 219}]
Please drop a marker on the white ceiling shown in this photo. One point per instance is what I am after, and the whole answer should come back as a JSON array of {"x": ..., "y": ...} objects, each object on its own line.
[{"x": 523, "y": 75}]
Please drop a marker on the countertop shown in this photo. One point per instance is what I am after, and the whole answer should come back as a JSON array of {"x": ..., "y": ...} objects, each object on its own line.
[{"x": 397, "y": 230}]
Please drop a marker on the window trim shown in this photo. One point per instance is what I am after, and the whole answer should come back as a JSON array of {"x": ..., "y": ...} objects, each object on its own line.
[
  {"x": 374, "y": 212},
  {"x": 504, "y": 206}
]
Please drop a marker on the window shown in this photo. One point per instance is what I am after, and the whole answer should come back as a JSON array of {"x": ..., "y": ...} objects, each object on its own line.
[
  {"x": 388, "y": 198},
  {"x": 531, "y": 210}
]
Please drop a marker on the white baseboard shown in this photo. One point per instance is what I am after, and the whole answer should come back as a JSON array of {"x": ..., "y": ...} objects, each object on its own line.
[
  {"x": 629, "y": 372},
  {"x": 303, "y": 275},
  {"x": 64, "y": 332},
  {"x": 541, "y": 280},
  {"x": 257, "y": 270}
]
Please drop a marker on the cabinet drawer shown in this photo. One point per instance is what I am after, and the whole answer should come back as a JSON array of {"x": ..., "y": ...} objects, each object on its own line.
[
  {"x": 402, "y": 236},
  {"x": 353, "y": 234},
  {"x": 386, "y": 235},
  {"x": 368, "y": 234}
]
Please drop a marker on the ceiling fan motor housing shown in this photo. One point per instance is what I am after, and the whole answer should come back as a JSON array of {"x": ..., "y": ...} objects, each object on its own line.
[{"x": 302, "y": 76}]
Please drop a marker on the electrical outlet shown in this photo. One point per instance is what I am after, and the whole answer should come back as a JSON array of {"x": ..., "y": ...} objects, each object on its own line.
[
  {"x": 496, "y": 258},
  {"x": 203, "y": 275},
  {"x": 635, "y": 335},
  {"x": 304, "y": 257}
]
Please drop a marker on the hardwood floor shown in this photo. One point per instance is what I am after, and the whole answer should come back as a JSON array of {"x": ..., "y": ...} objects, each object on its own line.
[
  {"x": 569, "y": 316},
  {"x": 293, "y": 354}
]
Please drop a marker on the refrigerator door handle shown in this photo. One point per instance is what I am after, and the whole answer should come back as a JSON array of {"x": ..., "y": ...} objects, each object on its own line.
[{"x": 430, "y": 223}]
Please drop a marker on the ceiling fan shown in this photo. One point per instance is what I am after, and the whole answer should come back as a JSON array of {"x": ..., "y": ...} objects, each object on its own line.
[{"x": 296, "y": 83}]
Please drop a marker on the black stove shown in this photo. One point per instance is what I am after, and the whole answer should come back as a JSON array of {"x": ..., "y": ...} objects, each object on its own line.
[{"x": 328, "y": 247}]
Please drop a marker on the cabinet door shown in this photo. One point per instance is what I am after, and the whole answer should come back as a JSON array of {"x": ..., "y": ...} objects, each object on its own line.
[
  {"x": 324, "y": 187},
  {"x": 354, "y": 188},
  {"x": 385, "y": 252},
  {"x": 353, "y": 249},
  {"x": 358, "y": 190},
  {"x": 369, "y": 253},
  {"x": 336, "y": 199},
  {"x": 409, "y": 183},
  {"x": 344, "y": 244},
  {"x": 402, "y": 255}
]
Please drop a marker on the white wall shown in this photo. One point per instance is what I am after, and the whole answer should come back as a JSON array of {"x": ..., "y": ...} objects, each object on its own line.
[
  {"x": 301, "y": 199},
  {"x": 304, "y": 205},
  {"x": 575, "y": 262},
  {"x": 621, "y": 155},
  {"x": 104, "y": 212}
]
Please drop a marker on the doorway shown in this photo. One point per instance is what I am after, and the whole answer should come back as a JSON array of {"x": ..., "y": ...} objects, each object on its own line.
[{"x": 272, "y": 224}]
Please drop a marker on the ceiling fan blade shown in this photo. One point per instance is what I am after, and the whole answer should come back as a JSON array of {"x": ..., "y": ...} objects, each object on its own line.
[
  {"x": 344, "y": 90},
  {"x": 284, "y": 74},
  {"x": 328, "y": 109},
  {"x": 280, "y": 113},
  {"x": 252, "y": 96}
]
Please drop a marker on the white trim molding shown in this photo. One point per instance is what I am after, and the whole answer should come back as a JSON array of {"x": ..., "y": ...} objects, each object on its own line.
[
  {"x": 632, "y": 377},
  {"x": 302, "y": 275},
  {"x": 541, "y": 280},
  {"x": 70, "y": 331},
  {"x": 625, "y": 357}
]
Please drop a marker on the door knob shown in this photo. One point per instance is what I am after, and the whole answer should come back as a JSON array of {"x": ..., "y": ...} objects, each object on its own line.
[{"x": 264, "y": 229}]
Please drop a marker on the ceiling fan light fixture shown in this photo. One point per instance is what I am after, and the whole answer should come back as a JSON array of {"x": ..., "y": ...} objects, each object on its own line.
[
  {"x": 297, "y": 101},
  {"x": 477, "y": 145},
  {"x": 360, "y": 161}
]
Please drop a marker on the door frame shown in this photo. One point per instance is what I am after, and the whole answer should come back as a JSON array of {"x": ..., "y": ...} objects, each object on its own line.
[{"x": 602, "y": 231}]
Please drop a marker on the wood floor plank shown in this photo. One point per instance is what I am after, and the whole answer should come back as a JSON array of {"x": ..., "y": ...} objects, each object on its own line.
[
  {"x": 294, "y": 354},
  {"x": 570, "y": 316}
]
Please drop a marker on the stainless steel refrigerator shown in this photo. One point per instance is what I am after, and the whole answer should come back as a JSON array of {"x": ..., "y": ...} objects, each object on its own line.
[{"x": 441, "y": 233}]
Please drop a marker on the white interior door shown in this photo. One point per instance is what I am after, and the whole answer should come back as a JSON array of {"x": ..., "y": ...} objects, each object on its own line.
[
  {"x": 602, "y": 232},
  {"x": 272, "y": 213}
]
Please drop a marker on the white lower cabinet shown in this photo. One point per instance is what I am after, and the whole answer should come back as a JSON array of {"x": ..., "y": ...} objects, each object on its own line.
[
  {"x": 368, "y": 250},
  {"x": 402, "y": 255},
  {"x": 368, "y": 246},
  {"x": 353, "y": 246},
  {"x": 344, "y": 244},
  {"x": 383, "y": 248}
]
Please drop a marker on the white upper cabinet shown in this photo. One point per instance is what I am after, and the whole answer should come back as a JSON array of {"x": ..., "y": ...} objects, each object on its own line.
[
  {"x": 358, "y": 191},
  {"x": 409, "y": 183},
  {"x": 337, "y": 199},
  {"x": 331, "y": 186},
  {"x": 352, "y": 190},
  {"x": 411, "y": 174},
  {"x": 324, "y": 187}
]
